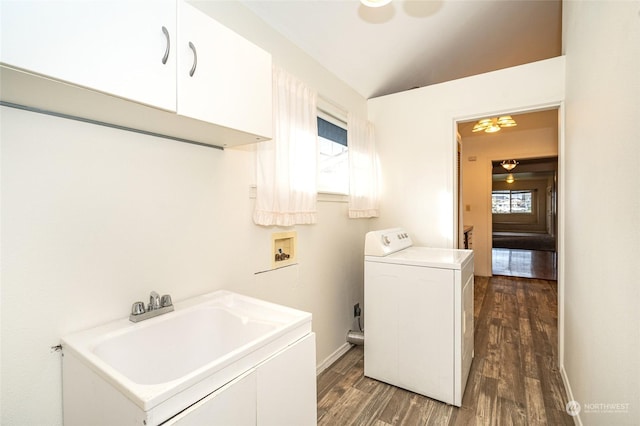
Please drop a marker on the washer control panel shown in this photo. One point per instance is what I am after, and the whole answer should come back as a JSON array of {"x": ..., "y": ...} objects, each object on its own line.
[{"x": 386, "y": 241}]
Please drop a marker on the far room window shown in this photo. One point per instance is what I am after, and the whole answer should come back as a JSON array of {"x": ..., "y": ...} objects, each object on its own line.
[
  {"x": 512, "y": 202},
  {"x": 333, "y": 160}
]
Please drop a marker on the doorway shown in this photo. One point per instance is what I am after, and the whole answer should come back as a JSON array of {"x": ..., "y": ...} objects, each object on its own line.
[
  {"x": 473, "y": 204},
  {"x": 524, "y": 217},
  {"x": 513, "y": 213}
]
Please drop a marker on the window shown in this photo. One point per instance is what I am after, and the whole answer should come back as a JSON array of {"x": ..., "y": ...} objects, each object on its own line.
[
  {"x": 333, "y": 160},
  {"x": 512, "y": 202}
]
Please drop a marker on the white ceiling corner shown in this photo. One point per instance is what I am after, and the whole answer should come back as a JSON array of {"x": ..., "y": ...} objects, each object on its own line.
[{"x": 411, "y": 43}]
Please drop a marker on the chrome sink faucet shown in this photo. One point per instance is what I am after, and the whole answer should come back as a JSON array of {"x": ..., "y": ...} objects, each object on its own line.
[{"x": 157, "y": 306}]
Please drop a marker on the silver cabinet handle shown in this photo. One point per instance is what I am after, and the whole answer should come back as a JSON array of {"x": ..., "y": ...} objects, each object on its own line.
[
  {"x": 195, "y": 60},
  {"x": 166, "y": 52}
]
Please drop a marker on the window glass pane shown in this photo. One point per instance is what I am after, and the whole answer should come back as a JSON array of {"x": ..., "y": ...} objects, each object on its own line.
[
  {"x": 500, "y": 202},
  {"x": 521, "y": 202},
  {"x": 333, "y": 160},
  {"x": 332, "y": 132},
  {"x": 512, "y": 202},
  {"x": 333, "y": 167}
]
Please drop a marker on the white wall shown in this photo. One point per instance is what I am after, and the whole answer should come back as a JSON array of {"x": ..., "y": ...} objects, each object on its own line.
[
  {"x": 477, "y": 180},
  {"x": 95, "y": 218},
  {"x": 415, "y": 133},
  {"x": 602, "y": 319}
]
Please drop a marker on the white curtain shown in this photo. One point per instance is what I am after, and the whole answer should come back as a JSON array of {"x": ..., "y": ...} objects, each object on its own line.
[
  {"x": 364, "y": 194},
  {"x": 287, "y": 165}
]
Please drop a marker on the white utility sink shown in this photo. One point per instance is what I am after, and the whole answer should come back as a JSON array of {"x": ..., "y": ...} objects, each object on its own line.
[{"x": 164, "y": 364}]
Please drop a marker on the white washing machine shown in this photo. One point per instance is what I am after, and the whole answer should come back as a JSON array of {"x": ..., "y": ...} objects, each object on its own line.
[{"x": 418, "y": 315}]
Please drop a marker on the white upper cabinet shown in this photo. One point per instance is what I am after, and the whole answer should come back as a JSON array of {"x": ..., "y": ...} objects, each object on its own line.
[
  {"x": 222, "y": 78},
  {"x": 168, "y": 68},
  {"x": 120, "y": 47}
]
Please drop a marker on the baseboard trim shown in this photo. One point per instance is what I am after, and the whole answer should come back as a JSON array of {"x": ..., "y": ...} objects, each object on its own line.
[
  {"x": 332, "y": 358},
  {"x": 565, "y": 379}
]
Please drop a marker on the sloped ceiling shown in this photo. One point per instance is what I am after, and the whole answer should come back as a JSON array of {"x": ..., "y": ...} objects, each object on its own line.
[{"x": 409, "y": 44}]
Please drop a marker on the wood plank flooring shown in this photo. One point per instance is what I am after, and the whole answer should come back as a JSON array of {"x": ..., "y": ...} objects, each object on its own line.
[
  {"x": 514, "y": 379},
  {"x": 524, "y": 263}
]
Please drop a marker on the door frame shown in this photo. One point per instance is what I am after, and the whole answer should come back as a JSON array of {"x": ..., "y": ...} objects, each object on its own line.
[{"x": 458, "y": 200}]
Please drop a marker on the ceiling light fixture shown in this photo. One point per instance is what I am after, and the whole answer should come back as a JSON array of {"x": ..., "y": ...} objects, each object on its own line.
[
  {"x": 509, "y": 165},
  {"x": 375, "y": 3},
  {"x": 492, "y": 125},
  {"x": 510, "y": 178}
]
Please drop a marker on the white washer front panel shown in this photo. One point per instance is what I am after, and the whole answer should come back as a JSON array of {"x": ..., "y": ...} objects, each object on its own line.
[
  {"x": 426, "y": 256},
  {"x": 409, "y": 328},
  {"x": 418, "y": 311}
]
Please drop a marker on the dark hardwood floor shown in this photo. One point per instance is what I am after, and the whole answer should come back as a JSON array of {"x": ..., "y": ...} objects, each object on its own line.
[
  {"x": 524, "y": 263},
  {"x": 514, "y": 378}
]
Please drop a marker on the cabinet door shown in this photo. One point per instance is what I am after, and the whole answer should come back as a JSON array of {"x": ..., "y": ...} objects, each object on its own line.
[
  {"x": 233, "y": 404},
  {"x": 116, "y": 47},
  {"x": 222, "y": 78},
  {"x": 287, "y": 386}
]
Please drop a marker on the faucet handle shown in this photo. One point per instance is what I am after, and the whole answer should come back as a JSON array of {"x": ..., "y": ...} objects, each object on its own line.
[
  {"x": 137, "y": 308},
  {"x": 165, "y": 301}
]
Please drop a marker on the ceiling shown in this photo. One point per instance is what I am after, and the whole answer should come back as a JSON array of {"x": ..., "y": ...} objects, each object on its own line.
[
  {"x": 414, "y": 43},
  {"x": 527, "y": 169},
  {"x": 526, "y": 121}
]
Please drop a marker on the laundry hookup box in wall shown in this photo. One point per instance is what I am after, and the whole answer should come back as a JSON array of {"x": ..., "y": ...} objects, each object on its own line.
[{"x": 283, "y": 248}]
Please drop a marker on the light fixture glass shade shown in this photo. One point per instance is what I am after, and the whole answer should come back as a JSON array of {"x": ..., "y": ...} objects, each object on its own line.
[
  {"x": 483, "y": 125},
  {"x": 506, "y": 121},
  {"x": 509, "y": 164},
  {"x": 375, "y": 3},
  {"x": 492, "y": 125},
  {"x": 510, "y": 178},
  {"x": 492, "y": 128}
]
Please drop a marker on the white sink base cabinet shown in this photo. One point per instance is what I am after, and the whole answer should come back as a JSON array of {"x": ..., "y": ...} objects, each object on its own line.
[
  {"x": 287, "y": 386},
  {"x": 281, "y": 391},
  {"x": 232, "y": 404}
]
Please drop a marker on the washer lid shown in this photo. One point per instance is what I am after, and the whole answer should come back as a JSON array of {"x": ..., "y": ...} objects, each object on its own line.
[{"x": 428, "y": 257}]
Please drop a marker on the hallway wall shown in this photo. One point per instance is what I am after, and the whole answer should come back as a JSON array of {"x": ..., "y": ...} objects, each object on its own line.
[{"x": 602, "y": 219}]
